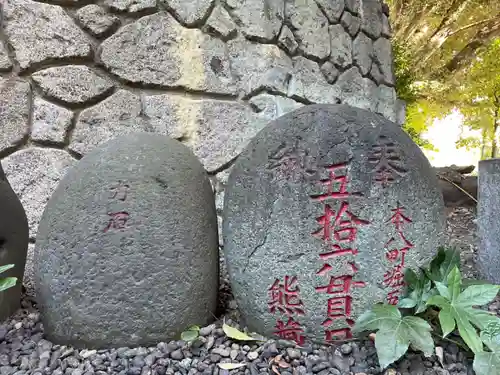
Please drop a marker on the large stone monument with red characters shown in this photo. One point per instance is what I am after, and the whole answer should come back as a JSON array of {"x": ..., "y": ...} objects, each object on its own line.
[{"x": 325, "y": 209}]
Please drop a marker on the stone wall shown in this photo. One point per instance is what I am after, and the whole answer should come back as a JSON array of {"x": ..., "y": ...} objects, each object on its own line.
[{"x": 210, "y": 73}]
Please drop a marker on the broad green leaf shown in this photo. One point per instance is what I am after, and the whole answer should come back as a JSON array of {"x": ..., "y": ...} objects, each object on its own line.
[
  {"x": 7, "y": 283},
  {"x": 194, "y": 328},
  {"x": 447, "y": 321},
  {"x": 454, "y": 283},
  {"x": 411, "y": 279},
  {"x": 469, "y": 282},
  {"x": 438, "y": 301},
  {"x": 486, "y": 363},
  {"x": 407, "y": 303},
  {"x": 481, "y": 318},
  {"x": 390, "y": 345},
  {"x": 435, "y": 266},
  {"x": 419, "y": 333},
  {"x": 451, "y": 261},
  {"x": 6, "y": 267},
  {"x": 478, "y": 295},
  {"x": 231, "y": 366},
  {"x": 189, "y": 335},
  {"x": 491, "y": 337},
  {"x": 236, "y": 334},
  {"x": 395, "y": 333},
  {"x": 443, "y": 289},
  {"x": 467, "y": 330}
]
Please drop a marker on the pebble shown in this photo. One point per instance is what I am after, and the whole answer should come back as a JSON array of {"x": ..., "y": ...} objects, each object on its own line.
[
  {"x": 346, "y": 349},
  {"x": 293, "y": 353},
  {"x": 252, "y": 356},
  {"x": 177, "y": 355}
]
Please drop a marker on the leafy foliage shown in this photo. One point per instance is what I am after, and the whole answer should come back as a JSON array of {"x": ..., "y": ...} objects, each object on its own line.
[
  {"x": 191, "y": 334},
  {"x": 395, "y": 332},
  {"x": 7, "y": 282},
  {"x": 437, "y": 297},
  {"x": 236, "y": 334}
]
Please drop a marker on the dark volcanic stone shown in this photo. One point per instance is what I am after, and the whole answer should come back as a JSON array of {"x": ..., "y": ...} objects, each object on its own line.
[
  {"x": 14, "y": 237},
  {"x": 127, "y": 251},
  {"x": 487, "y": 219},
  {"x": 326, "y": 179}
]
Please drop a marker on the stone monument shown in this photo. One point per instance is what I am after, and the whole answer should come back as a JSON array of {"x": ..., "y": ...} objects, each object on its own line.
[
  {"x": 14, "y": 238},
  {"x": 127, "y": 248},
  {"x": 487, "y": 219},
  {"x": 324, "y": 210}
]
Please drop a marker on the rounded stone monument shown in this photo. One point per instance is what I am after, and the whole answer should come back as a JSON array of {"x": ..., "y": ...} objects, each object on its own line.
[
  {"x": 487, "y": 220},
  {"x": 127, "y": 248},
  {"x": 324, "y": 211},
  {"x": 14, "y": 238}
]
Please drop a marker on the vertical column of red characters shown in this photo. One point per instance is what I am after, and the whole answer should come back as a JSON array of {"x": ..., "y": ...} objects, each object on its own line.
[
  {"x": 395, "y": 254},
  {"x": 118, "y": 219},
  {"x": 338, "y": 230}
]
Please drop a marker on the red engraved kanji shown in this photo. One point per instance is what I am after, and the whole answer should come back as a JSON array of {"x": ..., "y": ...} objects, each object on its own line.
[
  {"x": 398, "y": 218},
  {"x": 394, "y": 277},
  {"x": 393, "y": 297},
  {"x": 291, "y": 330},
  {"x": 340, "y": 285},
  {"x": 343, "y": 228},
  {"x": 339, "y": 334},
  {"x": 332, "y": 180},
  {"x": 285, "y": 297},
  {"x": 120, "y": 191},
  {"x": 387, "y": 161},
  {"x": 117, "y": 220}
]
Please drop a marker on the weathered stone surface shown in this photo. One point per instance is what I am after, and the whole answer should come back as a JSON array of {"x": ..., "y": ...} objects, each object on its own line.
[
  {"x": 157, "y": 50},
  {"x": 118, "y": 114},
  {"x": 14, "y": 237},
  {"x": 50, "y": 122},
  {"x": 351, "y": 23},
  {"x": 386, "y": 27},
  {"x": 34, "y": 174},
  {"x": 332, "y": 8},
  {"x": 15, "y": 98},
  {"x": 72, "y": 84},
  {"x": 357, "y": 91},
  {"x": 330, "y": 72},
  {"x": 376, "y": 74},
  {"x": 220, "y": 23},
  {"x": 341, "y": 43},
  {"x": 189, "y": 12},
  {"x": 133, "y": 221},
  {"x": 383, "y": 57},
  {"x": 260, "y": 20},
  {"x": 386, "y": 105},
  {"x": 310, "y": 27},
  {"x": 131, "y": 6},
  {"x": 287, "y": 40},
  {"x": 217, "y": 131},
  {"x": 276, "y": 223},
  {"x": 5, "y": 63},
  {"x": 309, "y": 83},
  {"x": 259, "y": 66},
  {"x": 272, "y": 106},
  {"x": 363, "y": 52},
  {"x": 96, "y": 20},
  {"x": 371, "y": 17},
  {"x": 487, "y": 219},
  {"x": 353, "y": 6},
  {"x": 400, "y": 112},
  {"x": 41, "y": 32}
]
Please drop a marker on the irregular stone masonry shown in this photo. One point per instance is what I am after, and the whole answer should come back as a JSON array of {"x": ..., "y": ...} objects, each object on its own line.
[{"x": 209, "y": 73}]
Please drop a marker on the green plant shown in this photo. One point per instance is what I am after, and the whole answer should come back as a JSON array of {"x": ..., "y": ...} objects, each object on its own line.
[
  {"x": 7, "y": 282},
  {"x": 191, "y": 334},
  {"x": 437, "y": 302}
]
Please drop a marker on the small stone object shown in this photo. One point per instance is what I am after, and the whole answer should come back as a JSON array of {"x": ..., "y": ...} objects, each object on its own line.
[
  {"x": 14, "y": 237},
  {"x": 127, "y": 251},
  {"x": 95, "y": 19},
  {"x": 324, "y": 210},
  {"x": 488, "y": 225}
]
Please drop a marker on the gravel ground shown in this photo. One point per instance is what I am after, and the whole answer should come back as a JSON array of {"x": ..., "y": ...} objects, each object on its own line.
[{"x": 24, "y": 351}]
